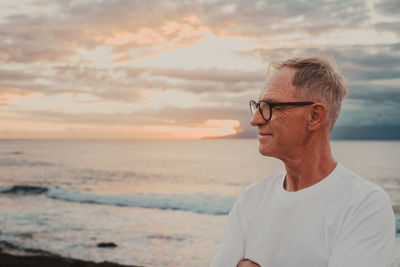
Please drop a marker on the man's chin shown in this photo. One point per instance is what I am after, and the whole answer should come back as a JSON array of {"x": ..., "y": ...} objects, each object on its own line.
[{"x": 265, "y": 151}]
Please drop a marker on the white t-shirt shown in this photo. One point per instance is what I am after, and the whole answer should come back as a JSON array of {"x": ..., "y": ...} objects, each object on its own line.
[{"x": 341, "y": 221}]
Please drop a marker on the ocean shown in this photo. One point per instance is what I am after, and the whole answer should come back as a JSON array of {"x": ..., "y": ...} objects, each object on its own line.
[{"x": 163, "y": 203}]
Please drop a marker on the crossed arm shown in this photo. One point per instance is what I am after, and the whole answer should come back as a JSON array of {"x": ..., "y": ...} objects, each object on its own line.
[{"x": 247, "y": 263}]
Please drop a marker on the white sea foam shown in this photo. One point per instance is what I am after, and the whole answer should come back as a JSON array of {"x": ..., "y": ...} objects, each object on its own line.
[{"x": 199, "y": 203}]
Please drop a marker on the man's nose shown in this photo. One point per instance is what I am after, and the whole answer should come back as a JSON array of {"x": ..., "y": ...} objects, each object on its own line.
[{"x": 257, "y": 119}]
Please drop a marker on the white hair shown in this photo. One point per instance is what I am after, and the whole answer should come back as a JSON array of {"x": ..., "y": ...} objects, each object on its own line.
[{"x": 318, "y": 78}]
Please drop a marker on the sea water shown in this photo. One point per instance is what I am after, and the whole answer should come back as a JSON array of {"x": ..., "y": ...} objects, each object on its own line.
[{"x": 163, "y": 203}]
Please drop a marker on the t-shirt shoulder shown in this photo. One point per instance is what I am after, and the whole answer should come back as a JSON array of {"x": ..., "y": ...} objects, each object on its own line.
[
  {"x": 254, "y": 188},
  {"x": 361, "y": 188},
  {"x": 360, "y": 184}
]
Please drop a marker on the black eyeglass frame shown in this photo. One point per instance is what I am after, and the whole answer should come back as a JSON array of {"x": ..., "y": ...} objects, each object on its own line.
[{"x": 274, "y": 104}]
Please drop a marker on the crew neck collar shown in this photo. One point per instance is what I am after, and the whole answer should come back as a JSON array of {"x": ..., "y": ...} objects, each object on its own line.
[{"x": 308, "y": 190}]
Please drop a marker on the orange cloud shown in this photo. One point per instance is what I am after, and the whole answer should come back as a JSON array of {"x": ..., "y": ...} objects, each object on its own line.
[
  {"x": 223, "y": 123},
  {"x": 45, "y": 130},
  {"x": 10, "y": 94},
  {"x": 148, "y": 41},
  {"x": 211, "y": 128}
]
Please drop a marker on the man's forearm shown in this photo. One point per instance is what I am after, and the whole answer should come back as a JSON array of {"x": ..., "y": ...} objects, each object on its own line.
[{"x": 247, "y": 263}]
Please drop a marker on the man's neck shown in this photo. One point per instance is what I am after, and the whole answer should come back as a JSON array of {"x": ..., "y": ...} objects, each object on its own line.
[{"x": 308, "y": 169}]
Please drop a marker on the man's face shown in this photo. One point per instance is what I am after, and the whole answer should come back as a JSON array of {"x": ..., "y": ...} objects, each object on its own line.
[{"x": 284, "y": 134}]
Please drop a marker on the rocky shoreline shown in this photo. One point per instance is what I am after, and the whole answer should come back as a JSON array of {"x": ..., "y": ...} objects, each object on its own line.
[
  {"x": 8, "y": 260},
  {"x": 12, "y": 255}
]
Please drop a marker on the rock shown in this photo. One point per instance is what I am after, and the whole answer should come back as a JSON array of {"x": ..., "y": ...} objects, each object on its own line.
[{"x": 106, "y": 245}]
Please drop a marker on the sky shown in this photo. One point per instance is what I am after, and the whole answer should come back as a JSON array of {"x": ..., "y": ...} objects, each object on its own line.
[{"x": 126, "y": 70}]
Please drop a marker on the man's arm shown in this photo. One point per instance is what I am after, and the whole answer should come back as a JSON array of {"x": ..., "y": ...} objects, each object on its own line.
[
  {"x": 247, "y": 263},
  {"x": 231, "y": 249},
  {"x": 367, "y": 237}
]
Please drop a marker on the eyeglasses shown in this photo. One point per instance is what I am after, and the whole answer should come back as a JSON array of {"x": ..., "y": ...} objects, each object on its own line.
[{"x": 265, "y": 107}]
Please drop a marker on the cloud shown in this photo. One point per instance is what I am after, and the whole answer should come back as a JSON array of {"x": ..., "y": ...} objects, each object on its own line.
[
  {"x": 365, "y": 62},
  {"x": 364, "y": 112},
  {"x": 388, "y": 7},
  {"x": 127, "y": 84},
  {"x": 231, "y": 17},
  {"x": 165, "y": 123},
  {"x": 9, "y": 94},
  {"x": 99, "y": 119},
  {"x": 211, "y": 80},
  {"x": 29, "y": 39},
  {"x": 8, "y": 90},
  {"x": 268, "y": 18},
  {"x": 212, "y": 74},
  {"x": 168, "y": 116},
  {"x": 123, "y": 25},
  {"x": 389, "y": 26},
  {"x": 143, "y": 28},
  {"x": 376, "y": 92},
  {"x": 121, "y": 84},
  {"x": 7, "y": 75}
]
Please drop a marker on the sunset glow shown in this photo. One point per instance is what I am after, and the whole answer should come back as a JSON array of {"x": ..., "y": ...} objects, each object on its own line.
[{"x": 180, "y": 70}]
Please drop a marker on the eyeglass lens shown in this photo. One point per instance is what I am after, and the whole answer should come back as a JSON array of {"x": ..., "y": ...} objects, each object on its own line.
[
  {"x": 264, "y": 108},
  {"x": 253, "y": 107}
]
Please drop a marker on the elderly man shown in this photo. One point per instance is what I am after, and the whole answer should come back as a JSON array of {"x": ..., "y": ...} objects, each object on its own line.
[{"x": 315, "y": 213}]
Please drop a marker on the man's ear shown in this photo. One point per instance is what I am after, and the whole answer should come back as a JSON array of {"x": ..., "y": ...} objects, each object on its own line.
[{"x": 317, "y": 116}]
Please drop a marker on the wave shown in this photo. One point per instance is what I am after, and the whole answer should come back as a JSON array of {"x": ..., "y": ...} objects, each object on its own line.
[
  {"x": 397, "y": 225},
  {"x": 198, "y": 203},
  {"x": 13, "y": 162}
]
